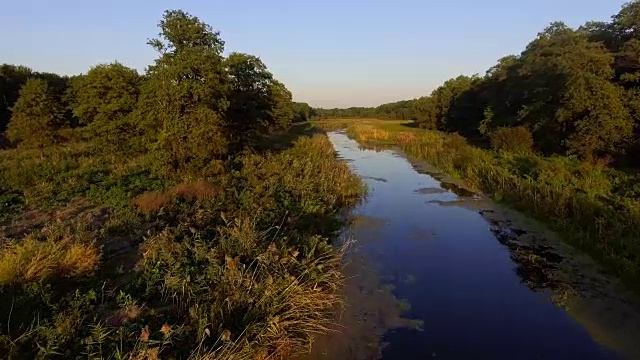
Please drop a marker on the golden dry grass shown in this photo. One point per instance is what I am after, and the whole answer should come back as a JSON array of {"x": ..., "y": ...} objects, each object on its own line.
[
  {"x": 371, "y": 133},
  {"x": 153, "y": 201},
  {"x": 33, "y": 260}
]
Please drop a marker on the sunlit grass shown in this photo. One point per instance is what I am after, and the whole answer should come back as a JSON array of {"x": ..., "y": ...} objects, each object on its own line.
[{"x": 57, "y": 252}]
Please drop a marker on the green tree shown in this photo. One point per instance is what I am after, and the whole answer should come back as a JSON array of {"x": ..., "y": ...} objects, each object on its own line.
[
  {"x": 36, "y": 116},
  {"x": 302, "y": 112},
  {"x": 572, "y": 103},
  {"x": 107, "y": 92},
  {"x": 102, "y": 101},
  {"x": 12, "y": 78},
  {"x": 185, "y": 96},
  {"x": 626, "y": 24},
  {"x": 281, "y": 106},
  {"x": 451, "y": 105},
  {"x": 504, "y": 92},
  {"x": 426, "y": 113},
  {"x": 249, "y": 98}
]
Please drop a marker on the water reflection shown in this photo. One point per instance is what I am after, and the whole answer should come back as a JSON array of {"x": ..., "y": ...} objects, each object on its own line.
[{"x": 476, "y": 303}]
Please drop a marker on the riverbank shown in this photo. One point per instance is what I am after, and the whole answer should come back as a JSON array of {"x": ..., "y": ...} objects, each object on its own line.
[
  {"x": 593, "y": 207},
  {"x": 570, "y": 278},
  {"x": 480, "y": 283},
  {"x": 100, "y": 256}
]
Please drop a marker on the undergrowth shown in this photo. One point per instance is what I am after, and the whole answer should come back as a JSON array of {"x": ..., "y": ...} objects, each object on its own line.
[{"x": 100, "y": 258}]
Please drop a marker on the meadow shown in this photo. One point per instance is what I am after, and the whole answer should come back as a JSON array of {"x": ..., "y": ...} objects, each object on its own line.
[{"x": 100, "y": 258}]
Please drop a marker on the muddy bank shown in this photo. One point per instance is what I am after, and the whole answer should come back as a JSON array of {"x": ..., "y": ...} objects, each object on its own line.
[{"x": 370, "y": 309}]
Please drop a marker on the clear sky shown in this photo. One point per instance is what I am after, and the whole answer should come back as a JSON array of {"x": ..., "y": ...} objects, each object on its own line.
[{"x": 330, "y": 53}]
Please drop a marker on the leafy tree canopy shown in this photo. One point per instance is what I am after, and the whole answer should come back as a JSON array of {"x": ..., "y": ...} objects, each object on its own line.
[{"x": 36, "y": 116}]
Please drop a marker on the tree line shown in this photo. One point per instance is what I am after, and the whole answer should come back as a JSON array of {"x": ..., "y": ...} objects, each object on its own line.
[
  {"x": 569, "y": 92},
  {"x": 192, "y": 107}
]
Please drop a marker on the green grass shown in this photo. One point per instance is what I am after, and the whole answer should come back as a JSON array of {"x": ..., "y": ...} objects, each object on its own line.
[
  {"x": 104, "y": 259},
  {"x": 595, "y": 208}
]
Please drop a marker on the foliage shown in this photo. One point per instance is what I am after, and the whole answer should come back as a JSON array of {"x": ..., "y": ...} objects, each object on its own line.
[
  {"x": 281, "y": 112},
  {"x": 303, "y": 112},
  {"x": 11, "y": 80},
  {"x": 517, "y": 139},
  {"x": 102, "y": 101},
  {"x": 107, "y": 92},
  {"x": 36, "y": 116},
  {"x": 578, "y": 107},
  {"x": 249, "y": 97},
  {"x": 258, "y": 103},
  {"x": 13, "y": 77},
  {"x": 185, "y": 95}
]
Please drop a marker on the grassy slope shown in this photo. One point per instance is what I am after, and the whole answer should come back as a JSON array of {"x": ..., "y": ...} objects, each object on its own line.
[
  {"x": 101, "y": 258},
  {"x": 596, "y": 208}
]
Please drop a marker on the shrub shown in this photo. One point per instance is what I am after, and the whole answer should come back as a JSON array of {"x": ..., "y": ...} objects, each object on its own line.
[
  {"x": 37, "y": 116},
  {"x": 455, "y": 142},
  {"x": 108, "y": 92},
  {"x": 515, "y": 139}
]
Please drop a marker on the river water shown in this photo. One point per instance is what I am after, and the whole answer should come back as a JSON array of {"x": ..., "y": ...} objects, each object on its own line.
[{"x": 461, "y": 283}]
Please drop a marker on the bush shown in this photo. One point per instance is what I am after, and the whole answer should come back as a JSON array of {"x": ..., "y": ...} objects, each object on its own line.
[
  {"x": 516, "y": 139},
  {"x": 37, "y": 116},
  {"x": 455, "y": 142}
]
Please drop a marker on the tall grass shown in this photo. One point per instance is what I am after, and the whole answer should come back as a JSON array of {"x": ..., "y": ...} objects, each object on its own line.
[
  {"x": 236, "y": 266},
  {"x": 55, "y": 252},
  {"x": 596, "y": 208}
]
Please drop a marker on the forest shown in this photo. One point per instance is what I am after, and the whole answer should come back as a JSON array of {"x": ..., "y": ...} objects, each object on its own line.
[
  {"x": 572, "y": 92},
  {"x": 178, "y": 213}
]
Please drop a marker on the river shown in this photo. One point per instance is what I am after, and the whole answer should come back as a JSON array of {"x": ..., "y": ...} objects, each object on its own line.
[{"x": 434, "y": 250}]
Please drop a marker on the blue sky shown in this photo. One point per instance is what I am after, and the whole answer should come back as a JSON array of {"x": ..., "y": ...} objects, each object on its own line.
[{"x": 329, "y": 53}]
